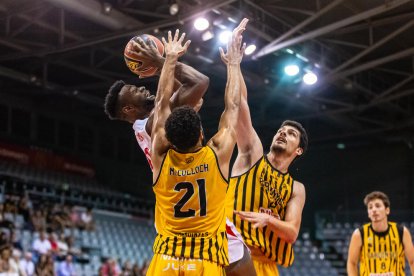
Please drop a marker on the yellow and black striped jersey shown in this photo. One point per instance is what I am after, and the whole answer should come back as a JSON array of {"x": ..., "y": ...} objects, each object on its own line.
[
  {"x": 382, "y": 253},
  {"x": 262, "y": 189},
  {"x": 189, "y": 215}
]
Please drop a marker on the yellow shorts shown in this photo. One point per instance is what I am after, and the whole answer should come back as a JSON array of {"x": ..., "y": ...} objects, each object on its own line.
[
  {"x": 265, "y": 268},
  {"x": 166, "y": 265}
]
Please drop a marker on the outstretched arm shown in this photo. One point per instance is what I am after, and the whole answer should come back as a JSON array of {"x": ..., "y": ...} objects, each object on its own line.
[
  {"x": 165, "y": 90},
  {"x": 224, "y": 140},
  {"x": 249, "y": 146},
  {"x": 190, "y": 85}
]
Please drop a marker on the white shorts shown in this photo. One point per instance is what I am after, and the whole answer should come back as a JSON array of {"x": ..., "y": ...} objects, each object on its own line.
[{"x": 236, "y": 242}]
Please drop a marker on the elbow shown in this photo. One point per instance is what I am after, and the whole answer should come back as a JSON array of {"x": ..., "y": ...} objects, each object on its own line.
[
  {"x": 292, "y": 237},
  {"x": 203, "y": 83}
]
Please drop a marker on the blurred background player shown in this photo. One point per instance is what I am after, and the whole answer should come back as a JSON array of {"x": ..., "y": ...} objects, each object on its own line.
[
  {"x": 380, "y": 246},
  {"x": 190, "y": 180},
  {"x": 267, "y": 202}
]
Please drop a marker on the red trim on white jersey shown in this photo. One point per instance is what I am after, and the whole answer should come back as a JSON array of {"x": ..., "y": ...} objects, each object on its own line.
[{"x": 143, "y": 139}]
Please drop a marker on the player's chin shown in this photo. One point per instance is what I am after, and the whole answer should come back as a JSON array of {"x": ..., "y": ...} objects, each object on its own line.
[{"x": 278, "y": 148}]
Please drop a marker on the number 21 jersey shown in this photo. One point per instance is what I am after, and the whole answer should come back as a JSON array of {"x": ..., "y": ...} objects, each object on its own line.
[{"x": 190, "y": 192}]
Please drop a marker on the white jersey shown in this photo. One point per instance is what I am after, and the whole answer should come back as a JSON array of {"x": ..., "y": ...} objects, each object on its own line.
[
  {"x": 236, "y": 243},
  {"x": 143, "y": 138}
]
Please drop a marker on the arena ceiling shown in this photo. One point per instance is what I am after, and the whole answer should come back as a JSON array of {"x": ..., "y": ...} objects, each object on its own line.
[{"x": 64, "y": 54}]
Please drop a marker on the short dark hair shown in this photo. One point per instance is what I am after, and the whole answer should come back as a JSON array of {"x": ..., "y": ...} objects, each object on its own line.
[
  {"x": 111, "y": 105},
  {"x": 303, "y": 135},
  {"x": 183, "y": 127},
  {"x": 377, "y": 195}
]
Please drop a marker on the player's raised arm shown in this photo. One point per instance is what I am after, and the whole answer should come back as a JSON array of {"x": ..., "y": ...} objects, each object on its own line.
[
  {"x": 249, "y": 146},
  {"x": 193, "y": 86},
  {"x": 190, "y": 85},
  {"x": 173, "y": 49},
  {"x": 223, "y": 142}
]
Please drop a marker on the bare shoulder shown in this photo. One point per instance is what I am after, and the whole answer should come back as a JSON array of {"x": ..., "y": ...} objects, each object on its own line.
[
  {"x": 356, "y": 233},
  {"x": 298, "y": 188},
  {"x": 406, "y": 232}
]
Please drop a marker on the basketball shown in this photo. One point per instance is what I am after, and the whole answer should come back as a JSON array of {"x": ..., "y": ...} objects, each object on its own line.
[{"x": 134, "y": 60}]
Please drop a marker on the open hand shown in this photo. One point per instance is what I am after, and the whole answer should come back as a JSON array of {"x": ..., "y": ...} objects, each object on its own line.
[
  {"x": 235, "y": 49},
  {"x": 174, "y": 45}
]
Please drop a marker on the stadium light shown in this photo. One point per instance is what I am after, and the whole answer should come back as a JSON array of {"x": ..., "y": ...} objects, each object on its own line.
[
  {"x": 201, "y": 24},
  {"x": 224, "y": 36},
  {"x": 310, "y": 78},
  {"x": 174, "y": 9},
  {"x": 250, "y": 49},
  {"x": 207, "y": 35},
  {"x": 291, "y": 70}
]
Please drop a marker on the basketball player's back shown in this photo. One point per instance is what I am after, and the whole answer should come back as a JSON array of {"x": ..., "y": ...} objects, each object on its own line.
[{"x": 194, "y": 185}]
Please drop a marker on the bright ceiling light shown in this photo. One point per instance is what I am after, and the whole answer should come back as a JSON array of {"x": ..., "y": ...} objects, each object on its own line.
[
  {"x": 291, "y": 70},
  {"x": 174, "y": 9},
  {"x": 207, "y": 35},
  {"x": 201, "y": 24},
  {"x": 310, "y": 78},
  {"x": 250, "y": 49},
  {"x": 225, "y": 36}
]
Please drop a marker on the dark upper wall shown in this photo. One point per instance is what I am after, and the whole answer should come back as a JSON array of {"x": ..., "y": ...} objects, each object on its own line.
[{"x": 338, "y": 180}]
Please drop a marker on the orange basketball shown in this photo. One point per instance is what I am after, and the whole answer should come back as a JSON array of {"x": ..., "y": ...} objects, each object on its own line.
[{"x": 134, "y": 60}]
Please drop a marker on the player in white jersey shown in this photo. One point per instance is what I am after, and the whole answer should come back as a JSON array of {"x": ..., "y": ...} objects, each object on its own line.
[
  {"x": 143, "y": 138},
  {"x": 135, "y": 104}
]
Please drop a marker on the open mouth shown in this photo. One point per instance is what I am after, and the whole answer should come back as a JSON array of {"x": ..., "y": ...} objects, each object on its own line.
[{"x": 283, "y": 140}]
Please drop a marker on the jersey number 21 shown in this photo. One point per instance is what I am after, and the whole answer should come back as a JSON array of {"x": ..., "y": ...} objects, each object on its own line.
[{"x": 188, "y": 186}]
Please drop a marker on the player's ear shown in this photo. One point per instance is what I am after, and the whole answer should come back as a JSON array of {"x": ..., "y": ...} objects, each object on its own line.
[
  {"x": 299, "y": 151},
  {"x": 387, "y": 210},
  {"x": 127, "y": 109}
]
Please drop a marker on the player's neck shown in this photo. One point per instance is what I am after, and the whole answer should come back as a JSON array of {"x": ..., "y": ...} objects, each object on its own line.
[
  {"x": 190, "y": 150},
  {"x": 279, "y": 162},
  {"x": 380, "y": 226}
]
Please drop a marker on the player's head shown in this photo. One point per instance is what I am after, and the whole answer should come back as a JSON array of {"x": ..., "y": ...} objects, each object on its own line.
[
  {"x": 378, "y": 206},
  {"x": 291, "y": 139},
  {"x": 183, "y": 128},
  {"x": 128, "y": 102}
]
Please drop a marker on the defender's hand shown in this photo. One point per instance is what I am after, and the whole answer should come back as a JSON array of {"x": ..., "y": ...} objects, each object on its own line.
[
  {"x": 174, "y": 45},
  {"x": 235, "y": 49}
]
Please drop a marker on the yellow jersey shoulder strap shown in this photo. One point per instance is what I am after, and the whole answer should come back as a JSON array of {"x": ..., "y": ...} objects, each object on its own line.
[{"x": 400, "y": 229}]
